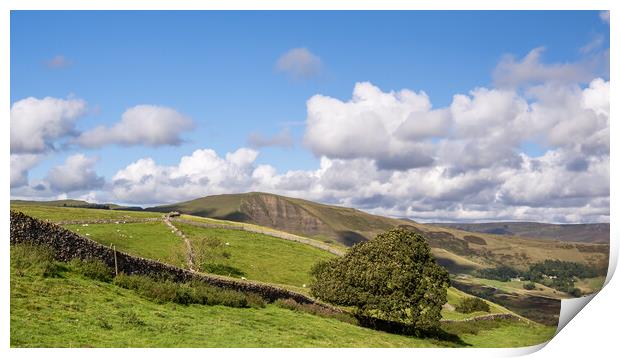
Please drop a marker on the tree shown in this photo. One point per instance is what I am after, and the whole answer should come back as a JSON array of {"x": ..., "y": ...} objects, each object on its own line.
[
  {"x": 392, "y": 277},
  {"x": 472, "y": 304}
]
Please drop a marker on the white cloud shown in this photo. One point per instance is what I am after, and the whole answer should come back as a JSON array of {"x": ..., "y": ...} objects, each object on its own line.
[
  {"x": 202, "y": 173},
  {"x": 140, "y": 125},
  {"x": 58, "y": 62},
  {"x": 20, "y": 164},
  {"x": 280, "y": 139},
  {"x": 299, "y": 63},
  {"x": 530, "y": 70},
  {"x": 593, "y": 45},
  {"x": 375, "y": 125},
  {"x": 37, "y": 123},
  {"x": 76, "y": 174}
]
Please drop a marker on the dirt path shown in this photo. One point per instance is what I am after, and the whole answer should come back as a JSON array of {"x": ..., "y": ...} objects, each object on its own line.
[{"x": 188, "y": 244}]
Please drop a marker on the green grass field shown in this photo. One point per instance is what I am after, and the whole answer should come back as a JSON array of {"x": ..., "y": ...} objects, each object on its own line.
[
  {"x": 262, "y": 257},
  {"x": 73, "y": 311},
  {"x": 52, "y": 213},
  {"x": 152, "y": 240}
]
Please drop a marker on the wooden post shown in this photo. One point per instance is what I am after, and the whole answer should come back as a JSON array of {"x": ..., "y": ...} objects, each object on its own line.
[{"x": 115, "y": 264}]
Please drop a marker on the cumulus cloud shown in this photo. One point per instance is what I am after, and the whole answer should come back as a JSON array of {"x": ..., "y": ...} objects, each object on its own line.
[
  {"x": 20, "y": 164},
  {"x": 140, "y": 125},
  {"x": 202, "y": 173},
  {"x": 58, "y": 62},
  {"x": 478, "y": 170},
  {"x": 280, "y": 139},
  {"x": 37, "y": 123},
  {"x": 393, "y": 128},
  {"x": 299, "y": 63},
  {"x": 77, "y": 173}
]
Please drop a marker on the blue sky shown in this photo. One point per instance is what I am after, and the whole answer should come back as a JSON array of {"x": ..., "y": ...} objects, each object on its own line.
[{"x": 220, "y": 68}]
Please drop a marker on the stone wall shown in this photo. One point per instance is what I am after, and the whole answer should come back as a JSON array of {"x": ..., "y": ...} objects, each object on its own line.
[{"x": 69, "y": 245}]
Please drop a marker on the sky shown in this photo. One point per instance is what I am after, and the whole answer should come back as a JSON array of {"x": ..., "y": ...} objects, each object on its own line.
[{"x": 429, "y": 115}]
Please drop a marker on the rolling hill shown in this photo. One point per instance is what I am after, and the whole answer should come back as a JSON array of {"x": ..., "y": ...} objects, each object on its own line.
[
  {"x": 298, "y": 216},
  {"x": 593, "y": 233}
]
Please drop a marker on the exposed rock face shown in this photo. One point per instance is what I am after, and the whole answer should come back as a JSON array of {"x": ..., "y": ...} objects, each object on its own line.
[{"x": 277, "y": 212}]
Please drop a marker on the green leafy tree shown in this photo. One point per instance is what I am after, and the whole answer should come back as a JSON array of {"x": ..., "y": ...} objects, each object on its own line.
[{"x": 392, "y": 277}]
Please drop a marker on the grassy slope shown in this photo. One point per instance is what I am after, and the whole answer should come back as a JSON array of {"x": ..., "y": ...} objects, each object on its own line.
[
  {"x": 73, "y": 311},
  {"x": 334, "y": 219},
  {"x": 152, "y": 240},
  {"x": 517, "y": 287},
  {"x": 250, "y": 227},
  {"x": 262, "y": 257},
  {"x": 53, "y": 213}
]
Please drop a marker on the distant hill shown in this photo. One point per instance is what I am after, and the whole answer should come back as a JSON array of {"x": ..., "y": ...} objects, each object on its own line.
[
  {"x": 593, "y": 233},
  {"x": 70, "y": 203},
  {"x": 298, "y": 216}
]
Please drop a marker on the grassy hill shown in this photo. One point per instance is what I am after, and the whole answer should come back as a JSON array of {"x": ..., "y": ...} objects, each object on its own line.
[
  {"x": 302, "y": 217},
  {"x": 592, "y": 233},
  {"x": 460, "y": 251},
  {"x": 61, "y": 307}
]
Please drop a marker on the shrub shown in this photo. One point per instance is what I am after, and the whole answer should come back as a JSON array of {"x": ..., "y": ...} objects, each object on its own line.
[
  {"x": 575, "y": 292},
  {"x": 192, "y": 292},
  {"x": 392, "y": 277},
  {"x": 499, "y": 273},
  {"x": 94, "y": 269},
  {"x": 34, "y": 259},
  {"x": 472, "y": 304},
  {"x": 529, "y": 286}
]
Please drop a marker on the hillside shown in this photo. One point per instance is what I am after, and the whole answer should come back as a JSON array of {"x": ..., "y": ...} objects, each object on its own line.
[
  {"x": 71, "y": 310},
  {"x": 460, "y": 251},
  {"x": 592, "y": 233},
  {"x": 51, "y": 299},
  {"x": 298, "y": 216}
]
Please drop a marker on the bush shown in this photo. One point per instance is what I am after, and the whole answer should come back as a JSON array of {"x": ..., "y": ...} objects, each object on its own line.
[
  {"x": 529, "y": 286},
  {"x": 575, "y": 292},
  {"x": 472, "y": 304},
  {"x": 192, "y": 292},
  {"x": 34, "y": 259},
  {"x": 94, "y": 269},
  {"x": 499, "y": 273},
  {"x": 392, "y": 277}
]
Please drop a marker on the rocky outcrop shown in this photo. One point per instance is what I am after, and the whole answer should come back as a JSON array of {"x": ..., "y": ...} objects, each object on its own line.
[{"x": 277, "y": 212}]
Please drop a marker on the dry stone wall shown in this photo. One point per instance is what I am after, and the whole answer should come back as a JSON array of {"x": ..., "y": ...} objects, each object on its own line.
[{"x": 69, "y": 245}]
